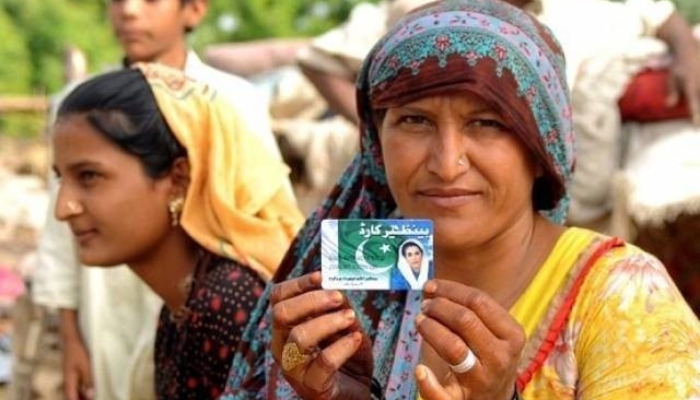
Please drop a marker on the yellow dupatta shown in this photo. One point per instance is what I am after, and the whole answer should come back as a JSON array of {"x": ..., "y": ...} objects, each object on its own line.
[
  {"x": 532, "y": 306},
  {"x": 236, "y": 203}
]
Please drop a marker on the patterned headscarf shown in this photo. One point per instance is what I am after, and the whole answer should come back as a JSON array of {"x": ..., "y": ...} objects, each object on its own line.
[{"x": 455, "y": 39}]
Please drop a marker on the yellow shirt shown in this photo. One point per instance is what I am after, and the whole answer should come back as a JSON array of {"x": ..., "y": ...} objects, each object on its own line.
[{"x": 630, "y": 333}]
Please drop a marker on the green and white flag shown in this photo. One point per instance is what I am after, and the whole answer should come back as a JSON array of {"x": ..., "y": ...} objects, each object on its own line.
[{"x": 363, "y": 254}]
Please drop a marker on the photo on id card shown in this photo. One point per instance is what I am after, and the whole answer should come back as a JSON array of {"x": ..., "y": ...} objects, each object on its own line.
[{"x": 376, "y": 254}]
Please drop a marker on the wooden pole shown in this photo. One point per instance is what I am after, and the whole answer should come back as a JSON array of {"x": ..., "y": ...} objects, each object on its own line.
[{"x": 9, "y": 104}]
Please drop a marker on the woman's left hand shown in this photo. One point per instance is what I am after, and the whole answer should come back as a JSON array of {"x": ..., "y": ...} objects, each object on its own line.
[
  {"x": 457, "y": 319},
  {"x": 685, "y": 82}
]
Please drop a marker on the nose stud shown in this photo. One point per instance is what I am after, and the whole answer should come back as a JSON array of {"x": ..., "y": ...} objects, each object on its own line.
[
  {"x": 73, "y": 207},
  {"x": 461, "y": 161}
]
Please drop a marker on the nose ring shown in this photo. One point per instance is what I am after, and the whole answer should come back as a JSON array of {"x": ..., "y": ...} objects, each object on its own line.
[
  {"x": 73, "y": 206},
  {"x": 461, "y": 160}
]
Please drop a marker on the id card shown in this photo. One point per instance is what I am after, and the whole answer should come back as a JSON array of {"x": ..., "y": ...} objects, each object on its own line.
[{"x": 376, "y": 254}]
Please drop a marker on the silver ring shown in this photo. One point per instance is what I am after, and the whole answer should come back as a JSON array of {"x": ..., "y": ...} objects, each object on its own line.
[{"x": 466, "y": 365}]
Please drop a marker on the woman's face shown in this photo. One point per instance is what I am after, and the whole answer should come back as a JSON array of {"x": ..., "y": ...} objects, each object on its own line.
[
  {"x": 116, "y": 212},
  {"x": 414, "y": 257},
  {"x": 471, "y": 201}
]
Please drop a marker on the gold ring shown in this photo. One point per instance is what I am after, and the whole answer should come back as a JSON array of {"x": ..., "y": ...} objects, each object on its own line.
[{"x": 292, "y": 356}]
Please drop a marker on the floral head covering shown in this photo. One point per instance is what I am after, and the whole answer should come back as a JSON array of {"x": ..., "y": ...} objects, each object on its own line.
[
  {"x": 493, "y": 50},
  {"x": 452, "y": 40}
]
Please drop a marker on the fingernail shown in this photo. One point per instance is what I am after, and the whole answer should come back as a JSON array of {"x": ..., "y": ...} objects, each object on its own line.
[
  {"x": 421, "y": 372},
  {"x": 337, "y": 297},
  {"x": 424, "y": 305},
  {"x": 419, "y": 318},
  {"x": 349, "y": 314},
  {"x": 430, "y": 287}
]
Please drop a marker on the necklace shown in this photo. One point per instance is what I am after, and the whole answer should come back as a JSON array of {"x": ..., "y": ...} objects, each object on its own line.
[{"x": 183, "y": 313}]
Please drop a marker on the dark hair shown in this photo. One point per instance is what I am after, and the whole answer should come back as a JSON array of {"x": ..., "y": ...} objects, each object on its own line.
[
  {"x": 410, "y": 244},
  {"x": 121, "y": 106}
]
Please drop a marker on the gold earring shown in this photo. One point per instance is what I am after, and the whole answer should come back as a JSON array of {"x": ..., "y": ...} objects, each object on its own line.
[{"x": 175, "y": 209}]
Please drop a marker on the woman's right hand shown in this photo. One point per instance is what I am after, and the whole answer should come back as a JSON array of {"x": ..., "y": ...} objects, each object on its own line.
[
  {"x": 77, "y": 374},
  {"x": 318, "y": 342}
]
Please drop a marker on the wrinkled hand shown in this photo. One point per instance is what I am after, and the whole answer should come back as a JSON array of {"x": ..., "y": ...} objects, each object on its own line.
[
  {"x": 455, "y": 319},
  {"x": 337, "y": 354},
  {"x": 685, "y": 81},
  {"x": 77, "y": 373}
]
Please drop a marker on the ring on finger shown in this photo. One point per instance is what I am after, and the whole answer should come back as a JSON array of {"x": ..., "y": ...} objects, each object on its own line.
[
  {"x": 466, "y": 365},
  {"x": 292, "y": 356}
]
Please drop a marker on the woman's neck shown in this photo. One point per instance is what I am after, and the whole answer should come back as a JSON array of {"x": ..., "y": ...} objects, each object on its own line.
[
  {"x": 504, "y": 266},
  {"x": 169, "y": 269}
]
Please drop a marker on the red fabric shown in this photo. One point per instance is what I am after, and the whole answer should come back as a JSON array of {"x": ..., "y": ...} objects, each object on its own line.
[
  {"x": 644, "y": 99},
  {"x": 562, "y": 315}
]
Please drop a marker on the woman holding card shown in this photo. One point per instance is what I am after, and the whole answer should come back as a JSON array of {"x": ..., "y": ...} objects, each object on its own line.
[{"x": 466, "y": 121}]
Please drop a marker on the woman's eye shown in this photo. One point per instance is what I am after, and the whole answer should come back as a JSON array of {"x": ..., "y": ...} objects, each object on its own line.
[
  {"x": 413, "y": 122},
  {"x": 413, "y": 119},
  {"x": 487, "y": 123},
  {"x": 88, "y": 176}
]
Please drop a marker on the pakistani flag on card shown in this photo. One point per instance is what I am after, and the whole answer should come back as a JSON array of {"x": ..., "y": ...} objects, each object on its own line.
[{"x": 376, "y": 254}]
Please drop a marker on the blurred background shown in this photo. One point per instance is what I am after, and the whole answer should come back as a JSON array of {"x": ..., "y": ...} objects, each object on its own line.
[{"x": 46, "y": 43}]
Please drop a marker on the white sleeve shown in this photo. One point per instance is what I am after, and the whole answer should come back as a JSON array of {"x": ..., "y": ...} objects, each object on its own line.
[
  {"x": 56, "y": 280},
  {"x": 653, "y": 13}
]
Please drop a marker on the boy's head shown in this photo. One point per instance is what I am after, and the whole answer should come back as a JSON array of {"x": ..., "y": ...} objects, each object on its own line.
[{"x": 155, "y": 30}]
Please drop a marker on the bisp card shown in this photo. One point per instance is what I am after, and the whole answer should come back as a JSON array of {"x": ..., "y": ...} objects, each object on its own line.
[{"x": 376, "y": 254}]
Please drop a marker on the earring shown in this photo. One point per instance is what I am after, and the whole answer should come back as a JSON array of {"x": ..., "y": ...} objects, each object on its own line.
[
  {"x": 461, "y": 161},
  {"x": 175, "y": 209}
]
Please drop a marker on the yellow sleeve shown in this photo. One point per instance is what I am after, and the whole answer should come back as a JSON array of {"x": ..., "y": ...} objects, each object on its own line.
[{"x": 638, "y": 338}]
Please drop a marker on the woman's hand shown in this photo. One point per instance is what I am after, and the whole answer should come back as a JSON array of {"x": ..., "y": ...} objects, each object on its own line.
[
  {"x": 684, "y": 80},
  {"x": 318, "y": 342},
  {"x": 77, "y": 374},
  {"x": 457, "y": 319}
]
